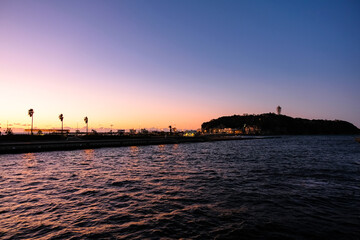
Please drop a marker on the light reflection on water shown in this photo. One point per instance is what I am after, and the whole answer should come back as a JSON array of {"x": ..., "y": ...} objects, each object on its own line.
[
  {"x": 30, "y": 160},
  {"x": 292, "y": 186}
]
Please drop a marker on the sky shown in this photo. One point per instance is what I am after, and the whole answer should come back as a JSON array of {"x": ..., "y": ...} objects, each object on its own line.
[{"x": 151, "y": 64}]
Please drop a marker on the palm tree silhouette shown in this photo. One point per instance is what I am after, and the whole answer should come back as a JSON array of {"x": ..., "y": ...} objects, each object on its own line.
[
  {"x": 61, "y": 117},
  {"x": 31, "y": 114},
  {"x": 278, "y": 109},
  {"x": 86, "y": 120}
]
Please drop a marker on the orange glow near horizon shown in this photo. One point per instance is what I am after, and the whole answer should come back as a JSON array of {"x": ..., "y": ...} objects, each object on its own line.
[
  {"x": 103, "y": 104},
  {"x": 111, "y": 63}
]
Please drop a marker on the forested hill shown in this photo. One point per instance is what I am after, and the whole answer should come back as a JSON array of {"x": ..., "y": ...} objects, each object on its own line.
[{"x": 271, "y": 123}]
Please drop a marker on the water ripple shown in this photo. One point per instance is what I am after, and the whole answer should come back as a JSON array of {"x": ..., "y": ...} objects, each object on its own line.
[{"x": 286, "y": 188}]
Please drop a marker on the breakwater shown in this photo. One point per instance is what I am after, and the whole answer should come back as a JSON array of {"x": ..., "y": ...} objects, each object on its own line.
[{"x": 41, "y": 146}]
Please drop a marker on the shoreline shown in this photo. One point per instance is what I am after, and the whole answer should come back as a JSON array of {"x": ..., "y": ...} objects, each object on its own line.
[{"x": 66, "y": 145}]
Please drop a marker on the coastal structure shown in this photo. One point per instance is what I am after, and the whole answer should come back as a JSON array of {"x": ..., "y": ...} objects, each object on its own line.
[
  {"x": 78, "y": 143},
  {"x": 49, "y": 131}
]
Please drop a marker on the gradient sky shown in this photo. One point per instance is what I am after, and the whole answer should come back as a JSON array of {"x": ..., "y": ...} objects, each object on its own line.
[{"x": 143, "y": 64}]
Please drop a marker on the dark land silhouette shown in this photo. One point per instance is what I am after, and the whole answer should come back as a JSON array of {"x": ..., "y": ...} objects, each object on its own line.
[
  {"x": 221, "y": 129},
  {"x": 276, "y": 124}
]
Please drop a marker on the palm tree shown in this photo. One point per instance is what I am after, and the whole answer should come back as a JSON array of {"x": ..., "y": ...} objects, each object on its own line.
[
  {"x": 61, "y": 117},
  {"x": 86, "y": 120},
  {"x": 278, "y": 109},
  {"x": 31, "y": 114}
]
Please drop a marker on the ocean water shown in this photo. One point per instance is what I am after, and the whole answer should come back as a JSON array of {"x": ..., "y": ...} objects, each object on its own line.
[{"x": 293, "y": 187}]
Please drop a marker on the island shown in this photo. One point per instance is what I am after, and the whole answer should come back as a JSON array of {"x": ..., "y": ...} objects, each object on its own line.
[{"x": 276, "y": 124}]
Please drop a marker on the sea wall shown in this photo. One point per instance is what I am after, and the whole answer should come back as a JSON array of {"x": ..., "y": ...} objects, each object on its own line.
[{"x": 24, "y": 147}]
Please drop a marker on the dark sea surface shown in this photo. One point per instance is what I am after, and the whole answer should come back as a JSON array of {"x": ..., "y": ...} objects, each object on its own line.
[{"x": 293, "y": 187}]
